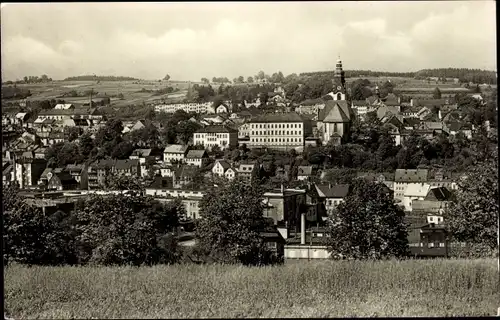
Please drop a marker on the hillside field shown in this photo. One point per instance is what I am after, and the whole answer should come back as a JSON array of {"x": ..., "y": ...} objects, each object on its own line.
[
  {"x": 132, "y": 94},
  {"x": 129, "y": 89},
  {"x": 296, "y": 289}
]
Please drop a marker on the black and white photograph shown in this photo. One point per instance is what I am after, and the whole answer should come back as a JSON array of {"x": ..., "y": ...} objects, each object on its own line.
[{"x": 270, "y": 159}]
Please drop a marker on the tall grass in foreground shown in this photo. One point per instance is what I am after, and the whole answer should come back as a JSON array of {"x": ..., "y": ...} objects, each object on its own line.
[{"x": 296, "y": 289}]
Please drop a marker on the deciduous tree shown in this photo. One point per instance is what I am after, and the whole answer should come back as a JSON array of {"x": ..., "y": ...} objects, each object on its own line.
[
  {"x": 436, "y": 94},
  {"x": 231, "y": 219},
  {"x": 367, "y": 225},
  {"x": 473, "y": 216}
]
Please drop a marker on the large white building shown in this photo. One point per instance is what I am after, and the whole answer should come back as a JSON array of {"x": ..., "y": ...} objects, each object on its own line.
[
  {"x": 279, "y": 131},
  {"x": 216, "y": 135},
  {"x": 206, "y": 107}
]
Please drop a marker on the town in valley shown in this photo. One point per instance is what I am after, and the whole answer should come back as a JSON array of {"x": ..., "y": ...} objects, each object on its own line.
[{"x": 305, "y": 143}]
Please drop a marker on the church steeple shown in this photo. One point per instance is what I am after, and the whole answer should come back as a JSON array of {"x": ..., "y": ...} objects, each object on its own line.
[{"x": 339, "y": 89}]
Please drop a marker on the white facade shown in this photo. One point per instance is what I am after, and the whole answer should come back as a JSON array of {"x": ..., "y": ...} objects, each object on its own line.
[
  {"x": 416, "y": 191},
  {"x": 306, "y": 252},
  {"x": 221, "y": 139},
  {"x": 188, "y": 107},
  {"x": 174, "y": 152},
  {"x": 195, "y": 161},
  {"x": 435, "y": 219},
  {"x": 332, "y": 203},
  {"x": 221, "y": 109},
  {"x": 166, "y": 172},
  {"x": 311, "y": 109},
  {"x": 230, "y": 174},
  {"x": 278, "y": 135},
  {"x": 218, "y": 169},
  {"x": 400, "y": 188},
  {"x": 244, "y": 130}
]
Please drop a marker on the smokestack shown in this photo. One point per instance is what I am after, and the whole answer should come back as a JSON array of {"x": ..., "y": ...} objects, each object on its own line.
[
  {"x": 282, "y": 188},
  {"x": 303, "y": 228}
]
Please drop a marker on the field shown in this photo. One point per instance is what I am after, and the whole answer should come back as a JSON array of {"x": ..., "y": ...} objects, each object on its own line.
[
  {"x": 296, "y": 289},
  {"x": 132, "y": 95},
  {"x": 129, "y": 89}
]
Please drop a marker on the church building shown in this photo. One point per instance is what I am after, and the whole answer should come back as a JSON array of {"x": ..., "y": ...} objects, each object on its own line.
[{"x": 334, "y": 120}]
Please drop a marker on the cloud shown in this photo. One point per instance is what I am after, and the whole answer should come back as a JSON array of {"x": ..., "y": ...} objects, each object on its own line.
[{"x": 195, "y": 40}]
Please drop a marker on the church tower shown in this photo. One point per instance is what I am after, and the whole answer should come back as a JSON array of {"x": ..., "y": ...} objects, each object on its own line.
[{"x": 339, "y": 89}]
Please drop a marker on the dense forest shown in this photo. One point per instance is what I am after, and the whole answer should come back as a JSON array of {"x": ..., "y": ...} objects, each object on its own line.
[
  {"x": 99, "y": 78},
  {"x": 464, "y": 75},
  {"x": 361, "y": 73}
]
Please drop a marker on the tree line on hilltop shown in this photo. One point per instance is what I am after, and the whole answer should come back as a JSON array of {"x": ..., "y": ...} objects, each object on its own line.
[
  {"x": 99, "y": 78},
  {"x": 464, "y": 75}
]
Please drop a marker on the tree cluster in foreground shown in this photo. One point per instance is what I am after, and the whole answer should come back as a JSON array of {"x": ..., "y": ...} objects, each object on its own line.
[{"x": 103, "y": 230}]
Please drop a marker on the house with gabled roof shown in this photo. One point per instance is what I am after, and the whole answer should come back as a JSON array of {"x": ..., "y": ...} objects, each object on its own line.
[
  {"x": 435, "y": 126},
  {"x": 383, "y": 110},
  {"x": 174, "y": 153},
  {"x": 184, "y": 175},
  {"x": 197, "y": 158},
  {"x": 230, "y": 173},
  {"x": 220, "y": 167},
  {"x": 405, "y": 177},
  {"x": 332, "y": 195},
  {"x": 433, "y": 205},
  {"x": 127, "y": 167},
  {"x": 414, "y": 192},
  {"x": 143, "y": 155},
  {"x": 246, "y": 171},
  {"x": 453, "y": 128},
  {"x": 79, "y": 173},
  {"x": 61, "y": 181}
]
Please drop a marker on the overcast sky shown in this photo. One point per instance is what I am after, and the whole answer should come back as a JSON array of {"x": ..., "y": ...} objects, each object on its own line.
[{"x": 194, "y": 40}]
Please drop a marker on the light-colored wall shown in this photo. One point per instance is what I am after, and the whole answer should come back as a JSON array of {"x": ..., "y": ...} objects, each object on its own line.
[
  {"x": 230, "y": 174},
  {"x": 194, "y": 162},
  {"x": 306, "y": 252},
  {"x": 167, "y": 157},
  {"x": 332, "y": 203},
  {"x": 174, "y": 193},
  {"x": 277, "y": 134}
]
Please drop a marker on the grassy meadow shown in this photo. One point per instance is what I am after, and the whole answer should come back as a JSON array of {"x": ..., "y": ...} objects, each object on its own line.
[
  {"x": 296, "y": 289},
  {"x": 130, "y": 90}
]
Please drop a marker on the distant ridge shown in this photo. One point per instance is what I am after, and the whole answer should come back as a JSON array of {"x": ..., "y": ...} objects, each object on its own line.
[
  {"x": 463, "y": 74},
  {"x": 99, "y": 78}
]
